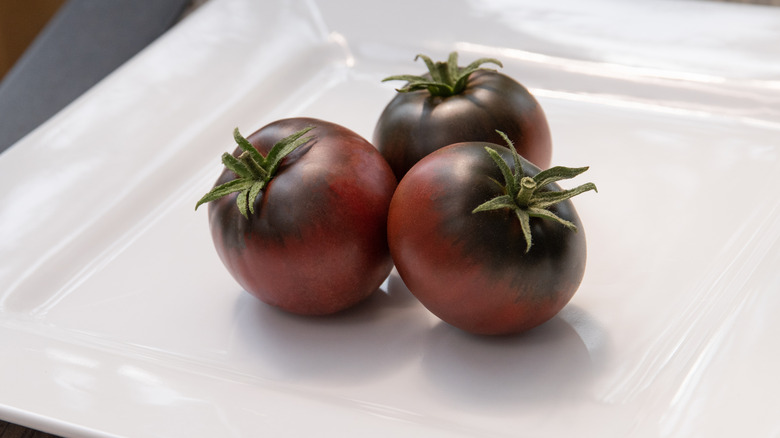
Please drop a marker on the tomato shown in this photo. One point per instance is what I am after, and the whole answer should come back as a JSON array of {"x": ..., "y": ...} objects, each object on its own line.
[
  {"x": 311, "y": 238},
  {"x": 484, "y": 256},
  {"x": 452, "y": 104}
]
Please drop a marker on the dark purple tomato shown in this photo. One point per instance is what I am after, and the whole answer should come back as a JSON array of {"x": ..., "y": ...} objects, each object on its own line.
[
  {"x": 427, "y": 115},
  {"x": 460, "y": 244},
  {"x": 312, "y": 240}
]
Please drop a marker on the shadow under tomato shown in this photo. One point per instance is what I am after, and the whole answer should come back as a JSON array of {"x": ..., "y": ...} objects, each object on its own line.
[
  {"x": 546, "y": 364},
  {"x": 372, "y": 338}
]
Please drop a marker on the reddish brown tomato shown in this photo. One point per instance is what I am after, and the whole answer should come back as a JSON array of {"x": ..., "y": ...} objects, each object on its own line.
[
  {"x": 472, "y": 269},
  {"x": 316, "y": 243},
  {"x": 417, "y": 123}
]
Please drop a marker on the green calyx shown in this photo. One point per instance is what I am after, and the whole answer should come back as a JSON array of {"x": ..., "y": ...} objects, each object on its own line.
[
  {"x": 254, "y": 170},
  {"x": 526, "y": 196},
  {"x": 446, "y": 78}
]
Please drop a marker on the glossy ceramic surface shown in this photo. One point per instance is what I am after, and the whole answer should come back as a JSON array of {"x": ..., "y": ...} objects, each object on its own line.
[{"x": 117, "y": 318}]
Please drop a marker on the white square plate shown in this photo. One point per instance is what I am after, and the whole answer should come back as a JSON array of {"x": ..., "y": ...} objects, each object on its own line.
[{"x": 117, "y": 317}]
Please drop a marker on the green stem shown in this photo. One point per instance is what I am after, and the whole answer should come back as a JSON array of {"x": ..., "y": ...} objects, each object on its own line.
[
  {"x": 254, "y": 167},
  {"x": 527, "y": 196},
  {"x": 253, "y": 170},
  {"x": 446, "y": 78},
  {"x": 527, "y": 189}
]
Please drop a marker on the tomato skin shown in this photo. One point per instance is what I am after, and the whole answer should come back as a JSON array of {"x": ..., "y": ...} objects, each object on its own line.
[
  {"x": 317, "y": 242},
  {"x": 416, "y": 123},
  {"x": 471, "y": 269}
]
